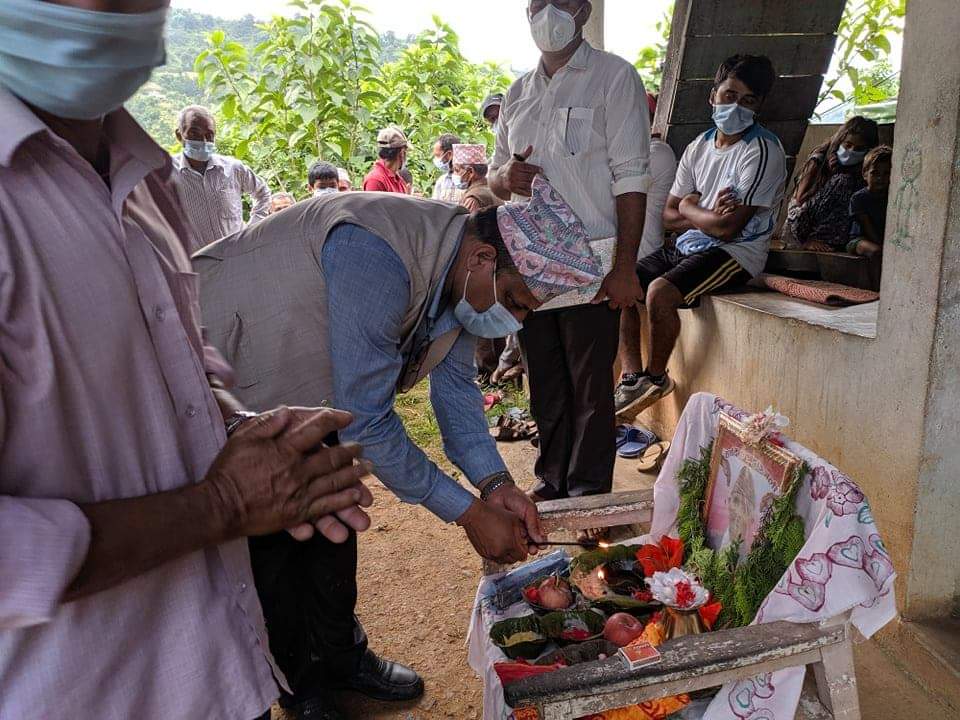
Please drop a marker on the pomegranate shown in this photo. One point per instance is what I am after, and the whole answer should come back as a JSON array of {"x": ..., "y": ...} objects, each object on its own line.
[
  {"x": 555, "y": 594},
  {"x": 621, "y": 629}
]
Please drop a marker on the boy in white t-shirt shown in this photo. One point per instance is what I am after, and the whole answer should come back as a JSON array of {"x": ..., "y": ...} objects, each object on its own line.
[{"x": 724, "y": 205}]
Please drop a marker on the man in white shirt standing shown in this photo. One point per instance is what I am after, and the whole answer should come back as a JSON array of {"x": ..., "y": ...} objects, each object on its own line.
[
  {"x": 445, "y": 189},
  {"x": 212, "y": 186},
  {"x": 663, "y": 170},
  {"x": 724, "y": 204},
  {"x": 580, "y": 120}
]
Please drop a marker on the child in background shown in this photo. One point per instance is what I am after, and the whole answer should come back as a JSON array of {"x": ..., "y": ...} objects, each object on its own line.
[
  {"x": 868, "y": 207},
  {"x": 819, "y": 215}
]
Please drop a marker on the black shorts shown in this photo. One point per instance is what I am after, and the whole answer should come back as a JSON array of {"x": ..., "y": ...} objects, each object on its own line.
[{"x": 693, "y": 276}]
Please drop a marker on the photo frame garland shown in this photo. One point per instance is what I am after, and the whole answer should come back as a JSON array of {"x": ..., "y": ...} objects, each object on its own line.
[{"x": 741, "y": 585}]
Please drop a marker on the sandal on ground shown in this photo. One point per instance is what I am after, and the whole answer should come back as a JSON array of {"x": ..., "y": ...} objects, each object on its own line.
[
  {"x": 636, "y": 442},
  {"x": 651, "y": 458},
  {"x": 510, "y": 430}
]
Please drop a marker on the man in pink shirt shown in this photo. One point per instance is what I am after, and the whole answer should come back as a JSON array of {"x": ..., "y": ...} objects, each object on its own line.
[{"x": 125, "y": 583}]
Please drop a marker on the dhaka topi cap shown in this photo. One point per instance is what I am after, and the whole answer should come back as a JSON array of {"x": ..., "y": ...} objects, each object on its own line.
[
  {"x": 392, "y": 137},
  {"x": 469, "y": 154},
  {"x": 343, "y": 175},
  {"x": 548, "y": 243}
]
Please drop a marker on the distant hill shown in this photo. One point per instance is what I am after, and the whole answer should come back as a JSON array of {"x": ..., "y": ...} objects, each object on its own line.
[{"x": 174, "y": 86}]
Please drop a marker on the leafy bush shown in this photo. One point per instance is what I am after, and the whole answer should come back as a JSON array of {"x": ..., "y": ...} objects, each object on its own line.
[{"x": 316, "y": 89}]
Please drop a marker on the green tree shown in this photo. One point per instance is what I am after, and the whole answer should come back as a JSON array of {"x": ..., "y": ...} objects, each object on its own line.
[
  {"x": 304, "y": 92},
  {"x": 653, "y": 57},
  {"x": 315, "y": 88},
  {"x": 863, "y": 39},
  {"x": 433, "y": 89},
  {"x": 173, "y": 86}
]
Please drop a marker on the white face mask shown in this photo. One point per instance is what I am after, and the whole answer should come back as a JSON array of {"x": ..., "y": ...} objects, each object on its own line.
[
  {"x": 199, "y": 150},
  {"x": 848, "y": 158},
  {"x": 553, "y": 29},
  {"x": 324, "y": 191},
  {"x": 732, "y": 118}
]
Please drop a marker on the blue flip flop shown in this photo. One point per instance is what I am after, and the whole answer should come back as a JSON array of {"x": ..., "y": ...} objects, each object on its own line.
[
  {"x": 637, "y": 440},
  {"x": 622, "y": 431}
]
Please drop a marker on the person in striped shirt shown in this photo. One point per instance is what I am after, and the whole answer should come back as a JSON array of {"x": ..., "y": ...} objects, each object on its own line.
[
  {"x": 212, "y": 186},
  {"x": 723, "y": 204}
]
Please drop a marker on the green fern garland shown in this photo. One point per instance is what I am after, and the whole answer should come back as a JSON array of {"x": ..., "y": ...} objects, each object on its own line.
[{"x": 740, "y": 588}]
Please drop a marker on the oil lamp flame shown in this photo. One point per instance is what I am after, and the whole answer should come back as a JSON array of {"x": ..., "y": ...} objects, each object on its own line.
[
  {"x": 603, "y": 545},
  {"x": 601, "y": 574}
]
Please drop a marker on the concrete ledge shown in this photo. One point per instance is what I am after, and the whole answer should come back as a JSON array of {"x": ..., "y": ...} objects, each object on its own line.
[
  {"x": 860, "y": 320},
  {"x": 928, "y": 652}
]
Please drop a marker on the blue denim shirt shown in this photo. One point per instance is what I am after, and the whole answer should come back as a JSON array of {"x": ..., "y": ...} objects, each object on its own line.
[{"x": 368, "y": 294}]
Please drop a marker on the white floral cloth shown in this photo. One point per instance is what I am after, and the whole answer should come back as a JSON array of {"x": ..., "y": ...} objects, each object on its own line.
[{"x": 843, "y": 566}]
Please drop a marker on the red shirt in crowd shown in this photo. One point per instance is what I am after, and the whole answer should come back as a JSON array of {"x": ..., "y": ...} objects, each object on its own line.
[{"x": 383, "y": 179}]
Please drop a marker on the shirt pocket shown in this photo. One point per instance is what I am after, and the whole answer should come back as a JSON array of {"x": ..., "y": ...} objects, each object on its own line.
[
  {"x": 239, "y": 354},
  {"x": 574, "y": 129},
  {"x": 230, "y": 201}
]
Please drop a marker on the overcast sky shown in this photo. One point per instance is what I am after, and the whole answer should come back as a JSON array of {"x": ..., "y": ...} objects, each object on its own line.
[{"x": 489, "y": 29}]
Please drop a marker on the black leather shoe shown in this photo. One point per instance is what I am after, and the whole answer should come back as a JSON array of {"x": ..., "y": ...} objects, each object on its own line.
[
  {"x": 316, "y": 708},
  {"x": 385, "y": 680}
]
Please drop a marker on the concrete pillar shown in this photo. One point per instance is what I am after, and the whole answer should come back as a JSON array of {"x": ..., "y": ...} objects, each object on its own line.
[
  {"x": 925, "y": 213},
  {"x": 593, "y": 31}
]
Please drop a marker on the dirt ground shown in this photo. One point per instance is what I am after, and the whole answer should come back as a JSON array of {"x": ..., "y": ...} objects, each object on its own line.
[{"x": 431, "y": 572}]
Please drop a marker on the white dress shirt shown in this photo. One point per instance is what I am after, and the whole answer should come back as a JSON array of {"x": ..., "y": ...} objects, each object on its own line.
[
  {"x": 663, "y": 170},
  {"x": 590, "y": 130},
  {"x": 213, "y": 200}
]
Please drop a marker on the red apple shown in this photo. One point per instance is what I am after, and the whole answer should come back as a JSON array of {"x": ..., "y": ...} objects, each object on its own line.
[
  {"x": 621, "y": 629},
  {"x": 555, "y": 594}
]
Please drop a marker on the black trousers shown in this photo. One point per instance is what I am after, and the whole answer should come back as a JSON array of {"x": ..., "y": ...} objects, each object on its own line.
[
  {"x": 308, "y": 591},
  {"x": 569, "y": 355}
]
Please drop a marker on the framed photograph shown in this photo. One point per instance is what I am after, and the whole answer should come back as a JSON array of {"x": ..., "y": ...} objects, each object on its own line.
[{"x": 744, "y": 481}]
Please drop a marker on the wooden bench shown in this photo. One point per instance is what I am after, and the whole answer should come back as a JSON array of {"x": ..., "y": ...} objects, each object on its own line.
[
  {"x": 693, "y": 663},
  {"x": 688, "y": 663}
]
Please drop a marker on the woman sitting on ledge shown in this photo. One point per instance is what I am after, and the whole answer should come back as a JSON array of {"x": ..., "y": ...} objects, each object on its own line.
[{"x": 819, "y": 209}]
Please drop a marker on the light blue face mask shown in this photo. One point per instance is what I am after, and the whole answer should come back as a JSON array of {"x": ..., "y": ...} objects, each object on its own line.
[
  {"x": 458, "y": 182},
  {"x": 441, "y": 165},
  {"x": 733, "y": 119},
  {"x": 847, "y": 157},
  {"x": 73, "y": 63},
  {"x": 495, "y": 322},
  {"x": 199, "y": 150}
]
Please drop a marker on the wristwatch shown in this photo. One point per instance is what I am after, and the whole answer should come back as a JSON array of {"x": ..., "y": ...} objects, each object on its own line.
[
  {"x": 234, "y": 422},
  {"x": 494, "y": 483}
]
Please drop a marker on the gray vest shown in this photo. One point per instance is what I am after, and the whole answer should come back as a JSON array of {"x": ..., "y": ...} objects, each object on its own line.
[{"x": 264, "y": 300}]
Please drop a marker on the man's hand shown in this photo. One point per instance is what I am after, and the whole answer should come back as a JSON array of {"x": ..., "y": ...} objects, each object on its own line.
[
  {"x": 727, "y": 202},
  {"x": 496, "y": 534},
  {"x": 275, "y": 474},
  {"x": 518, "y": 175},
  {"x": 816, "y": 246},
  {"x": 510, "y": 498},
  {"x": 621, "y": 287},
  {"x": 336, "y": 528}
]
